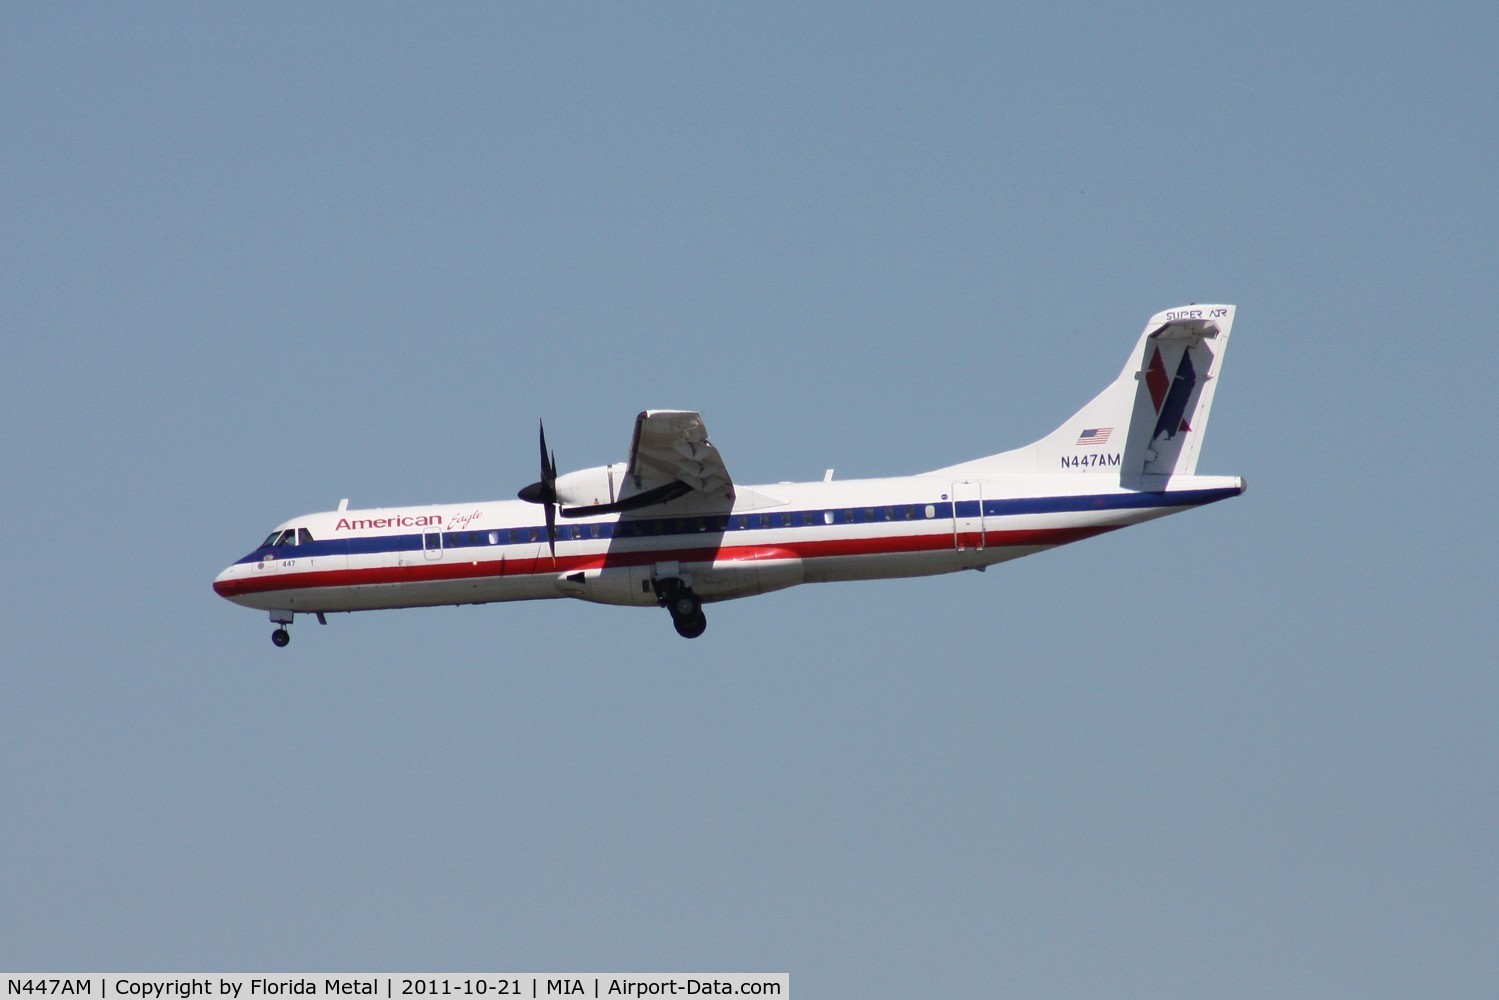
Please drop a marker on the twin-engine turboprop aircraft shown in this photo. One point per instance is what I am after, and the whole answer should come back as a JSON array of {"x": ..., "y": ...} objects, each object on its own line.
[{"x": 670, "y": 528}]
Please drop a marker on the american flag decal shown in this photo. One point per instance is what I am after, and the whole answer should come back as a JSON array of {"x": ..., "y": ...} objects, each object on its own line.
[{"x": 1095, "y": 435}]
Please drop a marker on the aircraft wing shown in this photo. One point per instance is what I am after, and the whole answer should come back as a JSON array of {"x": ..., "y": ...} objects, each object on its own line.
[{"x": 671, "y": 457}]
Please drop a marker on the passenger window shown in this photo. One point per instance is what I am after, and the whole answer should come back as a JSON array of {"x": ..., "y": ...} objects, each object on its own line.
[
  {"x": 931, "y": 511},
  {"x": 827, "y": 517}
]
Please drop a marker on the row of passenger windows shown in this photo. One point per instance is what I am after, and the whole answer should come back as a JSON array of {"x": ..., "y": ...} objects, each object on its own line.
[
  {"x": 648, "y": 527},
  {"x": 689, "y": 525}
]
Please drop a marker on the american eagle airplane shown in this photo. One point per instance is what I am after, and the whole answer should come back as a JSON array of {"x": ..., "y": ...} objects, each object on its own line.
[{"x": 670, "y": 528}]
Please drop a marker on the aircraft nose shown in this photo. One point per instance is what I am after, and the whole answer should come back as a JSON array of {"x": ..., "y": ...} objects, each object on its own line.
[{"x": 223, "y": 584}]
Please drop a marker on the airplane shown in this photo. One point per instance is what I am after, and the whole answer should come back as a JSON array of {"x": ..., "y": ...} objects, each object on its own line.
[{"x": 670, "y": 528}]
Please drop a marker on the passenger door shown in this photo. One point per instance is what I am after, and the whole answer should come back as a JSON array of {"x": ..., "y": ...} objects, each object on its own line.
[{"x": 967, "y": 516}]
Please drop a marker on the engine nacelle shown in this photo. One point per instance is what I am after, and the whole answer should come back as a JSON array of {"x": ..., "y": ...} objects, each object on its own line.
[
  {"x": 587, "y": 487},
  {"x": 624, "y": 585}
]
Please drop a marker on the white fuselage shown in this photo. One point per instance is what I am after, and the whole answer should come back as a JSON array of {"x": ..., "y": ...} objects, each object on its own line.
[{"x": 772, "y": 537}]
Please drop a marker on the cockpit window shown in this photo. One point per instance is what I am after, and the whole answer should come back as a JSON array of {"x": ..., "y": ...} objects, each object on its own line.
[
  {"x": 304, "y": 537},
  {"x": 287, "y": 537}
]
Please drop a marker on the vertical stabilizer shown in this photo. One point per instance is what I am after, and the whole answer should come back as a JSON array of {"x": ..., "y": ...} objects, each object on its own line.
[
  {"x": 1150, "y": 420},
  {"x": 1181, "y": 358}
]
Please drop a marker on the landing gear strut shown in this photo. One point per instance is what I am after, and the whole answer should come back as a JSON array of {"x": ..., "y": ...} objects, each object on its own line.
[{"x": 685, "y": 607}]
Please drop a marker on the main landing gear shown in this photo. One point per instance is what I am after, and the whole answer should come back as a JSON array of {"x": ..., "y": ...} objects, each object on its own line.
[{"x": 685, "y": 607}]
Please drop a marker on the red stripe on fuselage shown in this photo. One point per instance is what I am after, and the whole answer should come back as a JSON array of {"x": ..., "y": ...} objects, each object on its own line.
[{"x": 456, "y": 569}]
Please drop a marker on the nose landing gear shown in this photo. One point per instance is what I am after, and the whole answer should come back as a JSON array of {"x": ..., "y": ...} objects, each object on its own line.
[
  {"x": 281, "y": 619},
  {"x": 686, "y": 609}
]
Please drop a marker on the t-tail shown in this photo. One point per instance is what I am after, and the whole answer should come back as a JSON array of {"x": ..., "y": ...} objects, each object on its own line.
[{"x": 1150, "y": 421}]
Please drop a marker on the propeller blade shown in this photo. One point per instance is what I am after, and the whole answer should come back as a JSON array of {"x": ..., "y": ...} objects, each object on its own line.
[
  {"x": 543, "y": 490},
  {"x": 548, "y": 467},
  {"x": 552, "y": 530}
]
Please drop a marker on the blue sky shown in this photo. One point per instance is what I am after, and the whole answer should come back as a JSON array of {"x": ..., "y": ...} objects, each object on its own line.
[{"x": 257, "y": 259}]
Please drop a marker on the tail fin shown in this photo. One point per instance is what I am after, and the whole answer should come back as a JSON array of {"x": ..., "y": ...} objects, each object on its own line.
[{"x": 1150, "y": 420}]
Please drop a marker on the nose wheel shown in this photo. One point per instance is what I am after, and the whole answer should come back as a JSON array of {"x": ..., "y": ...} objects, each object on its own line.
[
  {"x": 281, "y": 619},
  {"x": 685, "y": 607}
]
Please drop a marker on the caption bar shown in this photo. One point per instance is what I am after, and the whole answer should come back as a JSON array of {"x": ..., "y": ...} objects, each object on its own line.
[{"x": 392, "y": 986}]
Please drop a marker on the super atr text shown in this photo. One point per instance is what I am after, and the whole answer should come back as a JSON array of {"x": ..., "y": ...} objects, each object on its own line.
[{"x": 249, "y": 986}]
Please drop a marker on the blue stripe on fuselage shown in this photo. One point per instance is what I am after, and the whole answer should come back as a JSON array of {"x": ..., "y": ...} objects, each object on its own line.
[{"x": 636, "y": 527}]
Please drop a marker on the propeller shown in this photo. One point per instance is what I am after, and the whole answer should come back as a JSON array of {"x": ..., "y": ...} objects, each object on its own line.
[{"x": 545, "y": 491}]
